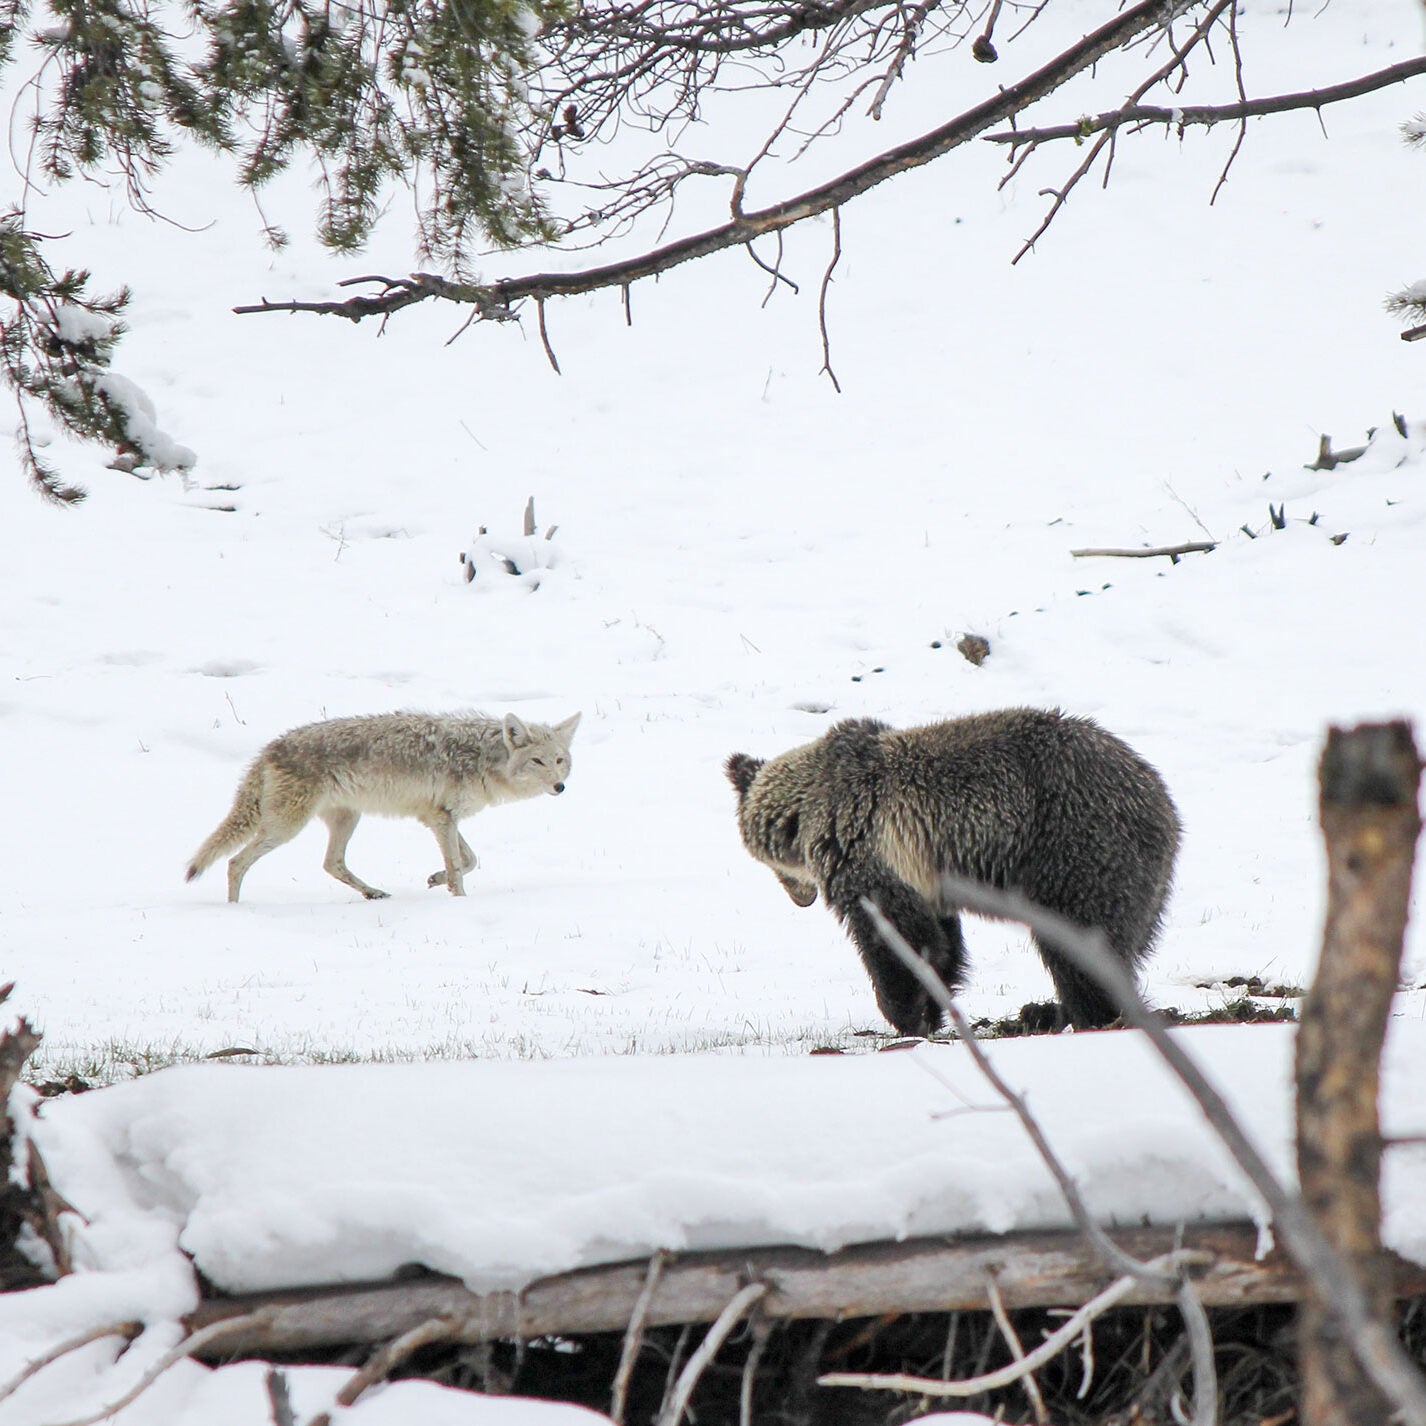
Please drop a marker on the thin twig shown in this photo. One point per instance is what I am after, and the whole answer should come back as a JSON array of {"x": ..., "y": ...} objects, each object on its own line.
[
  {"x": 191, "y": 1344},
  {"x": 762, "y": 1334},
  {"x": 698, "y": 1363},
  {"x": 128, "y": 1330},
  {"x": 545, "y": 336},
  {"x": 1206, "y": 115},
  {"x": 1051, "y": 1347},
  {"x": 822, "y": 299},
  {"x": 773, "y": 270},
  {"x": 1200, "y": 1341},
  {"x": 634, "y": 1335},
  {"x": 1017, "y": 1352},
  {"x": 1242, "y": 98},
  {"x": 385, "y": 1360}
]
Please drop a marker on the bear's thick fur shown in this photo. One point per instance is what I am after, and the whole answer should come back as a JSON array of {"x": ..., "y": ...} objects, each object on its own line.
[{"x": 1023, "y": 799}]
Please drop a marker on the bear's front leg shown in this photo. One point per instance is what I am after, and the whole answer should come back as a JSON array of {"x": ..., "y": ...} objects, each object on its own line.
[{"x": 900, "y": 996}]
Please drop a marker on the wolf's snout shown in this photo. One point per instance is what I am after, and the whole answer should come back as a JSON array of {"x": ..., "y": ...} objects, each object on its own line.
[{"x": 557, "y": 789}]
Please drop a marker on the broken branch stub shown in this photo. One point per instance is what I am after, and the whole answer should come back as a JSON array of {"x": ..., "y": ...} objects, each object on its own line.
[{"x": 1369, "y": 781}]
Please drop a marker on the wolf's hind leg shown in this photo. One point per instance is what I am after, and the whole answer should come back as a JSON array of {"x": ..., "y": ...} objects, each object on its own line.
[
  {"x": 468, "y": 862},
  {"x": 341, "y": 823},
  {"x": 454, "y": 852},
  {"x": 269, "y": 836}
]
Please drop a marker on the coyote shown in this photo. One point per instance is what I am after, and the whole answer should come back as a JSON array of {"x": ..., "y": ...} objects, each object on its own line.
[
  {"x": 435, "y": 768},
  {"x": 1023, "y": 798}
]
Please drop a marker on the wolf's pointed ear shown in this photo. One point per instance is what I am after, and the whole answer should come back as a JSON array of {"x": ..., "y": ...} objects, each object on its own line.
[
  {"x": 741, "y": 770},
  {"x": 565, "y": 731},
  {"x": 517, "y": 735}
]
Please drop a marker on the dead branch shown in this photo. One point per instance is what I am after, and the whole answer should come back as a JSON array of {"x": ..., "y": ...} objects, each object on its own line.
[
  {"x": 762, "y": 1334},
  {"x": 1051, "y": 1347},
  {"x": 634, "y": 1336},
  {"x": 1373, "y": 1342},
  {"x": 1177, "y": 60},
  {"x": 935, "y": 987},
  {"x": 1206, "y": 115},
  {"x": 193, "y": 1345},
  {"x": 699, "y": 1362},
  {"x": 822, "y": 300},
  {"x": 1328, "y": 459},
  {"x": 1189, "y": 547},
  {"x": 279, "y": 1398},
  {"x": 386, "y": 1360},
  {"x": 1037, "y": 1269},
  {"x": 496, "y": 300},
  {"x": 1205, "y": 1404},
  {"x": 1017, "y": 1352},
  {"x": 127, "y": 1330},
  {"x": 1369, "y": 780}
]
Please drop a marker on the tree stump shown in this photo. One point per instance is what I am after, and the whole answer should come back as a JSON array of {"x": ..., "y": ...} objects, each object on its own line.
[{"x": 1369, "y": 778}]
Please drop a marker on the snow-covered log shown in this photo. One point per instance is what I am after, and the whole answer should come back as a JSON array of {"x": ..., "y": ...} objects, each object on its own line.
[{"x": 924, "y": 1275}]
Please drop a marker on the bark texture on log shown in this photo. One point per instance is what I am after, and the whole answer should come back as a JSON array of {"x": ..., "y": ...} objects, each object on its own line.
[
  {"x": 1369, "y": 782},
  {"x": 1047, "y": 1269}
]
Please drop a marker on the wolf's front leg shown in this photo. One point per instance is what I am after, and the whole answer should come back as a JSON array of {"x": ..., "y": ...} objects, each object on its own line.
[
  {"x": 468, "y": 862},
  {"x": 457, "y": 856}
]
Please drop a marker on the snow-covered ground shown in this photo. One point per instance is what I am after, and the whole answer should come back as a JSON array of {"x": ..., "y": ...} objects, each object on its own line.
[{"x": 744, "y": 557}]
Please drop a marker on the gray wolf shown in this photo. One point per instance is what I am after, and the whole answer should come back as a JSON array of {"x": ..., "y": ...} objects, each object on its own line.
[
  {"x": 1023, "y": 799},
  {"x": 435, "y": 768}
]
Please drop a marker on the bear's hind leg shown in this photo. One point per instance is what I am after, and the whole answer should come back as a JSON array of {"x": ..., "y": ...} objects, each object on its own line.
[{"x": 1084, "y": 1004}]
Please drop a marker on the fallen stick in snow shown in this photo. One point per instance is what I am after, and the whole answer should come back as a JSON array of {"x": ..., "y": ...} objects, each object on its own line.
[
  {"x": 1191, "y": 547},
  {"x": 1035, "y": 1269}
]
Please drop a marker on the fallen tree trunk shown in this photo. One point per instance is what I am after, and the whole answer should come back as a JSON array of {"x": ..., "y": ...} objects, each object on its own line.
[{"x": 1046, "y": 1269}]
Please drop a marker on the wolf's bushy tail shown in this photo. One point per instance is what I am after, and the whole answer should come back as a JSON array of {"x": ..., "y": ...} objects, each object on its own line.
[{"x": 236, "y": 828}]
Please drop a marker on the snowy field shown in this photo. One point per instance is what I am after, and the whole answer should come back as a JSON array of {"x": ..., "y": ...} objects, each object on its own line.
[{"x": 743, "y": 557}]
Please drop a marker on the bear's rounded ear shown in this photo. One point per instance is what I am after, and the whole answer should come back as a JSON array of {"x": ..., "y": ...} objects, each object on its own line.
[{"x": 741, "y": 770}]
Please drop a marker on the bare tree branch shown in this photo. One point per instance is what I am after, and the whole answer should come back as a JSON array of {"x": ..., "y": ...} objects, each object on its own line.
[
  {"x": 1373, "y": 1342},
  {"x": 496, "y": 299},
  {"x": 1205, "y": 1402},
  {"x": 1047, "y": 1351},
  {"x": 191, "y": 1345},
  {"x": 127, "y": 1330},
  {"x": 386, "y": 1360},
  {"x": 822, "y": 300},
  {"x": 1209, "y": 114},
  {"x": 634, "y": 1336},
  {"x": 698, "y": 1363},
  {"x": 1017, "y": 1352}
]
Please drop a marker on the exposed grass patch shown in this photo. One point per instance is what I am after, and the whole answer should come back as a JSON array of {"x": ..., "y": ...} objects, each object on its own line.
[{"x": 72, "y": 1071}]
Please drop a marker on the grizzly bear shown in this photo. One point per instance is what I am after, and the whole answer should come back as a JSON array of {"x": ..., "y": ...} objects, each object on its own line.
[{"x": 1023, "y": 799}]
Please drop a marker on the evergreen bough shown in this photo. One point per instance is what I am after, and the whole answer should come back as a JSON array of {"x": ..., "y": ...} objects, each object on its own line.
[{"x": 430, "y": 93}]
